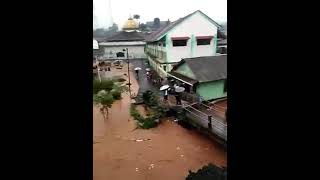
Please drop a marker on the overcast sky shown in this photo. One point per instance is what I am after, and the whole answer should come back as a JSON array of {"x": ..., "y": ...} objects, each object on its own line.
[{"x": 150, "y": 9}]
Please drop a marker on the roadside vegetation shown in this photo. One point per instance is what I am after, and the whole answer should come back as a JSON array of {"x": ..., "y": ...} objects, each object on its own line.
[
  {"x": 208, "y": 172},
  {"x": 155, "y": 111},
  {"x": 105, "y": 93}
]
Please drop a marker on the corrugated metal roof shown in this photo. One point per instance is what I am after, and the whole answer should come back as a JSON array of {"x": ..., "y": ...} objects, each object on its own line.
[
  {"x": 126, "y": 36},
  {"x": 206, "y": 68},
  {"x": 183, "y": 78},
  {"x": 123, "y": 43}
]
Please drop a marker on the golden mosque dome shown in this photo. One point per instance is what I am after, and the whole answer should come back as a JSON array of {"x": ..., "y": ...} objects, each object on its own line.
[{"x": 130, "y": 24}]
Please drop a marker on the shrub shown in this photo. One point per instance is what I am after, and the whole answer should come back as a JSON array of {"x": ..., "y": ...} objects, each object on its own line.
[
  {"x": 135, "y": 114},
  {"x": 104, "y": 98},
  {"x": 96, "y": 86},
  {"x": 116, "y": 94},
  {"x": 208, "y": 172},
  {"x": 149, "y": 122},
  {"x": 149, "y": 98},
  {"x": 161, "y": 111},
  {"x": 119, "y": 87},
  {"x": 106, "y": 85},
  {"x": 146, "y": 96},
  {"x": 152, "y": 119},
  {"x": 144, "y": 123},
  {"x": 121, "y": 80}
]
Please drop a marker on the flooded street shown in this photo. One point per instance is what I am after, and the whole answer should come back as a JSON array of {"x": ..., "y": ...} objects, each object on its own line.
[{"x": 168, "y": 153}]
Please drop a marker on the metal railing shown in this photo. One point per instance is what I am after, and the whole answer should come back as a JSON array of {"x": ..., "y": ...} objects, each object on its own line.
[{"x": 210, "y": 122}]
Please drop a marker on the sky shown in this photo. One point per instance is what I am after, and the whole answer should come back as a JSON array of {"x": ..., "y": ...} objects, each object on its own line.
[{"x": 150, "y": 9}]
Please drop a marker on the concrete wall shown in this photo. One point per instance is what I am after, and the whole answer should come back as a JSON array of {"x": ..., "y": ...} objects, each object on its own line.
[
  {"x": 196, "y": 25},
  {"x": 204, "y": 50},
  {"x": 185, "y": 70},
  {"x": 134, "y": 51},
  {"x": 211, "y": 90}
]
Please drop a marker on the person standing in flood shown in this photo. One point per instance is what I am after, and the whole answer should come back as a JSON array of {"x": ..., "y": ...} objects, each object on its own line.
[
  {"x": 178, "y": 98},
  {"x": 137, "y": 72},
  {"x": 165, "y": 97}
]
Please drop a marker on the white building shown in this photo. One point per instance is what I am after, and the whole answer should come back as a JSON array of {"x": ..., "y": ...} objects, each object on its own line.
[
  {"x": 95, "y": 44},
  {"x": 130, "y": 38},
  {"x": 194, "y": 35}
]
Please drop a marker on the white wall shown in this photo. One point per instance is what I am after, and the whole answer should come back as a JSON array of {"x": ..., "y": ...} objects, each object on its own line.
[
  {"x": 196, "y": 25},
  {"x": 178, "y": 52},
  {"x": 134, "y": 51},
  {"x": 204, "y": 50}
]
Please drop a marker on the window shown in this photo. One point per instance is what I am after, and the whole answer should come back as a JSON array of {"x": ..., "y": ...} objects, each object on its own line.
[
  {"x": 225, "y": 86},
  {"x": 223, "y": 50},
  {"x": 120, "y": 54},
  {"x": 218, "y": 49},
  {"x": 179, "y": 42},
  {"x": 203, "y": 42}
]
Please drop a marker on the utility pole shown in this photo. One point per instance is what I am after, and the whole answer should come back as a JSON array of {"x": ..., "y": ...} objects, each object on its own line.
[
  {"x": 129, "y": 84},
  {"x": 98, "y": 68}
]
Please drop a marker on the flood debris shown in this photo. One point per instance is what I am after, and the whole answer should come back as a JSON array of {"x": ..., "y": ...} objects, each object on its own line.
[
  {"x": 141, "y": 140},
  {"x": 165, "y": 160},
  {"x": 151, "y": 166}
]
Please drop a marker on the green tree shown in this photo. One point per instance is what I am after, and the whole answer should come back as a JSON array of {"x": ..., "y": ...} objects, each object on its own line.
[
  {"x": 143, "y": 27},
  {"x": 136, "y": 16},
  {"x": 113, "y": 28},
  {"x": 105, "y": 100},
  {"x": 156, "y": 23},
  {"x": 106, "y": 85}
]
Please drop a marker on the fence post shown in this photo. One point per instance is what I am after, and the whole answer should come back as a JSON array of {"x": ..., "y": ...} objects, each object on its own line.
[{"x": 210, "y": 122}]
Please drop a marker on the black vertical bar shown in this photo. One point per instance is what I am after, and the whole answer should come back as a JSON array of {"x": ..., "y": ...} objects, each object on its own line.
[
  {"x": 210, "y": 122},
  {"x": 129, "y": 73}
]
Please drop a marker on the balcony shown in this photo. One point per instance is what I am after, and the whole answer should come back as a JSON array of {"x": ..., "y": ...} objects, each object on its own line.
[{"x": 160, "y": 57}]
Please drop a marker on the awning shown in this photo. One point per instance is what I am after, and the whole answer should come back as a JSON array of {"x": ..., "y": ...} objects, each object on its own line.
[
  {"x": 204, "y": 37},
  {"x": 180, "y": 38},
  {"x": 182, "y": 78}
]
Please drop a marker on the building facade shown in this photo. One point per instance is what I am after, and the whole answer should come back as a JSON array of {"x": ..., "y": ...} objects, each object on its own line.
[
  {"x": 115, "y": 46},
  {"x": 194, "y": 35},
  {"x": 205, "y": 76},
  {"x": 222, "y": 47}
]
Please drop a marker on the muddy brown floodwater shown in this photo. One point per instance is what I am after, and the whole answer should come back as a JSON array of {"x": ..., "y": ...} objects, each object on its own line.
[{"x": 169, "y": 152}]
